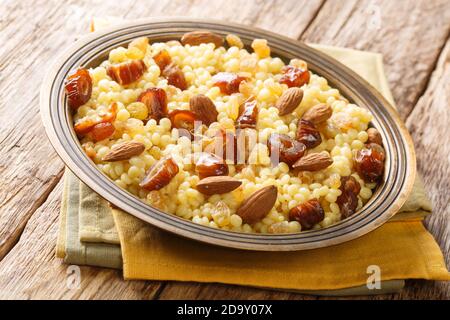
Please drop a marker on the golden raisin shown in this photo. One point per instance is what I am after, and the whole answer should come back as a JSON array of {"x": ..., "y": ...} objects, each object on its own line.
[
  {"x": 183, "y": 119},
  {"x": 102, "y": 131}
]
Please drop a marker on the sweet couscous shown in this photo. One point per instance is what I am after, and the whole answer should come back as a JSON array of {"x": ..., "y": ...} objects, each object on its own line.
[{"x": 226, "y": 136}]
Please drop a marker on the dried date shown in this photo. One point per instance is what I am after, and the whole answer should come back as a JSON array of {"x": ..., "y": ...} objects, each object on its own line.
[
  {"x": 287, "y": 149},
  {"x": 160, "y": 174},
  {"x": 369, "y": 162},
  {"x": 348, "y": 200},
  {"x": 307, "y": 214},
  {"x": 308, "y": 134},
  {"x": 78, "y": 87},
  {"x": 294, "y": 76}
]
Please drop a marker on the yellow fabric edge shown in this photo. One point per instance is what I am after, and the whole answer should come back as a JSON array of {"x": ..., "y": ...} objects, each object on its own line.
[
  {"x": 140, "y": 263},
  {"x": 61, "y": 240}
]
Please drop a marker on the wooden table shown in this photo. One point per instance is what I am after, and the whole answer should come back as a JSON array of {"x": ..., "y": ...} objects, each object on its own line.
[{"x": 413, "y": 36}]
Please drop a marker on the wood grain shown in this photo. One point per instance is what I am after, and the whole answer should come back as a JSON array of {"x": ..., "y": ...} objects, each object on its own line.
[
  {"x": 428, "y": 124},
  {"x": 31, "y": 270},
  {"x": 409, "y": 34}
]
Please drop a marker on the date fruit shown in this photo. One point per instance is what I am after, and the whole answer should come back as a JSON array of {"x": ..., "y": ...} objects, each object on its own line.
[
  {"x": 156, "y": 101},
  {"x": 227, "y": 82},
  {"x": 162, "y": 59},
  {"x": 307, "y": 214},
  {"x": 348, "y": 200},
  {"x": 369, "y": 162},
  {"x": 288, "y": 149},
  {"x": 160, "y": 174},
  {"x": 249, "y": 115},
  {"x": 102, "y": 131},
  {"x": 294, "y": 76},
  {"x": 85, "y": 127},
  {"x": 308, "y": 134},
  {"x": 209, "y": 164},
  {"x": 182, "y": 119},
  {"x": 78, "y": 87},
  {"x": 175, "y": 77},
  {"x": 127, "y": 72}
]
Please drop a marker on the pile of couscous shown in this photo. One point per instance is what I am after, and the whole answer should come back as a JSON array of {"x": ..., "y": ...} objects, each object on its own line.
[{"x": 135, "y": 114}]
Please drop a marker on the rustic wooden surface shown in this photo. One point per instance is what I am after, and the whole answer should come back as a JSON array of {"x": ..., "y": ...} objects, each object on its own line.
[{"x": 413, "y": 36}]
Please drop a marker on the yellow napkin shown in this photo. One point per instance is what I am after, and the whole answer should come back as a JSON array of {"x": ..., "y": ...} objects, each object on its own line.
[{"x": 401, "y": 250}]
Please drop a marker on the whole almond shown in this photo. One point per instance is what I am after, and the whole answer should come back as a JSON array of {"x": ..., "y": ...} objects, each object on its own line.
[
  {"x": 196, "y": 38},
  {"x": 217, "y": 185},
  {"x": 313, "y": 162},
  {"x": 374, "y": 136},
  {"x": 289, "y": 101},
  {"x": 204, "y": 108},
  {"x": 319, "y": 113},
  {"x": 124, "y": 151},
  {"x": 258, "y": 205}
]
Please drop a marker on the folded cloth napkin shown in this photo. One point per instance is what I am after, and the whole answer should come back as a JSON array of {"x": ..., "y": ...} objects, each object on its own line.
[{"x": 401, "y": 248}]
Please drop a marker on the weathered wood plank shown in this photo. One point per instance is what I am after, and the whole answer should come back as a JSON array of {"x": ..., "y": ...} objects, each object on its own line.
[
  {"x": 409, "y": 34},
  {"x": 31, "y": 270},
  {"x": 428, "y": 124}
]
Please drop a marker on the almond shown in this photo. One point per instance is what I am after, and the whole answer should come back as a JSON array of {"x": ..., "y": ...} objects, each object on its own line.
[
  {"x": 319, "y": 113},
  {"x": 217, "y": 185},
  {"x": 204, "y": 109},
  {"x": 374, "y": 136},
  {"x": 196, "y": 38},
  {"x": 124, "y": 151},
  {"x": 258, "y": 205},
  {"x": 314, "y": 162},
  {"x": 289, "y": 101}
]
